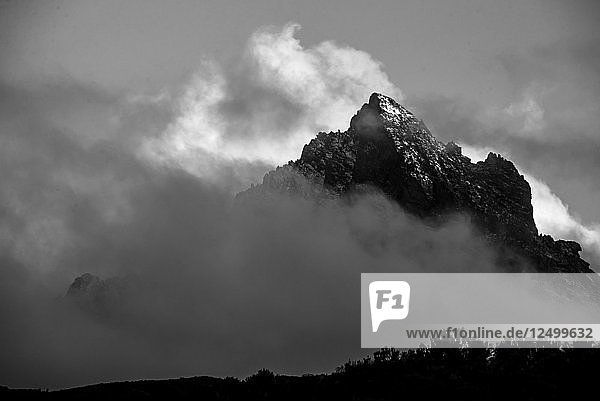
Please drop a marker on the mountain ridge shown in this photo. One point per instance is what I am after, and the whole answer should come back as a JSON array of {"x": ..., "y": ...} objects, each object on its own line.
[{"x": 388, "y": 148}]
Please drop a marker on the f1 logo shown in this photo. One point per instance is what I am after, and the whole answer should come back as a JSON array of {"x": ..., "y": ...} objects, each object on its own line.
[{"x": 389, "y": 300}]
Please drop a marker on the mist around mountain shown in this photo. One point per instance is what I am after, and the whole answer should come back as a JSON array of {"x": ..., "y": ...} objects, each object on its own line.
[
  {"x": 389, "y": 159},
  {"x": 384, "y": 195},
  {"x": 390, "y": 150},
  {"x": 183, "y": 279}
]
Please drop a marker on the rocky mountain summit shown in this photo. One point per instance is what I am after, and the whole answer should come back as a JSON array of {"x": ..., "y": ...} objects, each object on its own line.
[{"x": 388, "y": 149}]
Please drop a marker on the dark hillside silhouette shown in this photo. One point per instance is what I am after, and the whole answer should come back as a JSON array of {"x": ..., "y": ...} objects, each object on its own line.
[{"x": 389, "y": 374}]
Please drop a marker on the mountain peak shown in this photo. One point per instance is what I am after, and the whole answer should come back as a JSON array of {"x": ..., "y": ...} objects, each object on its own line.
[
  {"x": 382, "y": 112},
  {"x": 388, "y": 107},
  {"x": 388, "y": 148}
]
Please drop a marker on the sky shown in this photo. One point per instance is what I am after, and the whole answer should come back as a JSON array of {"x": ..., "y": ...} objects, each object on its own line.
[
  {"x": 460, "y": 53},
  {"x": 123, "y": 121}
]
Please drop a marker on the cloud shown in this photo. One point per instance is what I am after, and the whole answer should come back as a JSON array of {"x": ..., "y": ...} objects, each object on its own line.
[
  {"x": 220, "y": 291},
  {"x": 266, "y": 105},
  {"x": 552, "y": 216},
  {"x": 528, "y": 113},
  {"x": 139, "y": 186},
  {"x": 213, "y": 289}
]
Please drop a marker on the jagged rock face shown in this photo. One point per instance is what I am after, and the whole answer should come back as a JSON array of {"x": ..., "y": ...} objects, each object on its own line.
[{"x": 388, "y": 148}]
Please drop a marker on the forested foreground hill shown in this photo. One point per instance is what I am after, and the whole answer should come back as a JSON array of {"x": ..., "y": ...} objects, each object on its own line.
[{"x": 468, "y": 374}]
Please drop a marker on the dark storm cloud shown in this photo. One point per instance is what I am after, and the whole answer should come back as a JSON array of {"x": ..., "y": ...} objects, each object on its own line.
[{"x": 211, "y": 288}]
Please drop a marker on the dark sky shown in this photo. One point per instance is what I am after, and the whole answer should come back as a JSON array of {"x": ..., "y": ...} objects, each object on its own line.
[{"x": 125, "y": 128}]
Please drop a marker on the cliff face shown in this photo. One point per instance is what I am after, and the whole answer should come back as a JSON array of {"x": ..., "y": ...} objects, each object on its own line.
[{"x": 386, "y": 147}]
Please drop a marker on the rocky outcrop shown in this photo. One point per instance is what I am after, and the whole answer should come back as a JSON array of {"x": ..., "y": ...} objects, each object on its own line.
[
  {"x": 387, "y": 148},
  {"x": 95, "y": 294}
]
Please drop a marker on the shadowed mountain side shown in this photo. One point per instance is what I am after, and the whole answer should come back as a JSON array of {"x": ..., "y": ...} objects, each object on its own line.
[{"x": 387, "y": 148}]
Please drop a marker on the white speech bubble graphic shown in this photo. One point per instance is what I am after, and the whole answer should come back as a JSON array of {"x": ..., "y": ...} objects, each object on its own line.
[{"x": 389, "y": 300}]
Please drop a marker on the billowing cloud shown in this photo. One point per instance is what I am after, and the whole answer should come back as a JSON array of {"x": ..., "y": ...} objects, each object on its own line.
[
  {"x": 266, "y": 106},
  {"x": 553, "y": 217},
  {"x": 527, "y": 113}
]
